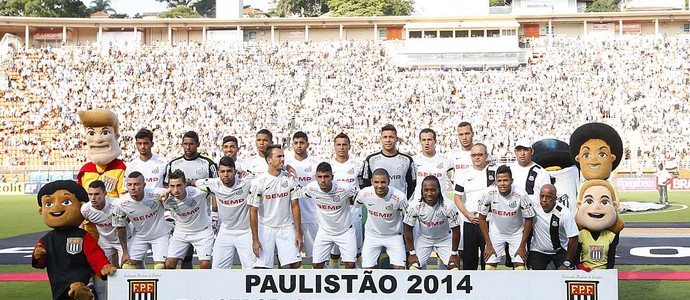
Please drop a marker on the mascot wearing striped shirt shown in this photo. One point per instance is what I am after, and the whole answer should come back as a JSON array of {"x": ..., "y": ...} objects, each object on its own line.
[
  {"x": 69, "y": 253},
  {"x": 597, "y": 150},
  {"x": 102, "y": 133}
]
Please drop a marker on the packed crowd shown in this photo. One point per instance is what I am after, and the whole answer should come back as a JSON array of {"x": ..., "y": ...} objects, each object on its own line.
[{"x": 638, "y": 84}]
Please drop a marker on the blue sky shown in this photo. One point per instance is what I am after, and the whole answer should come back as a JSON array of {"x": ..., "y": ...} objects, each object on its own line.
[{"x": 132, "y": 7}]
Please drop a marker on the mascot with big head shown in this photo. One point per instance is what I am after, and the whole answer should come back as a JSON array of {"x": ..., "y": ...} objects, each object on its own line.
[
  {"x": 597, "y": 150},
  {"x": 69, "y": 253}
]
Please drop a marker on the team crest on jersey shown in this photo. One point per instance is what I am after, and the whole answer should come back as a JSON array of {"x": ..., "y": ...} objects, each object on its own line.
[
  {"x": 155, "y": 170},
  {"x": 389, "y": 207},
  {"x": 439, "y": 166},
  {"x": 284, "y": 184},
  {"x": 582, "y": 290},
  {"x": 596, "y": 252},
  {"x": 351, "y": 171},
  {"x": 308, "y": 169},
  {"x": 336, "y": 198},
  {"x": 153, "y": 205},
  {"x": 554, "y": 223},
  {"x": 513, "y": 204},
  {"x": 439, "y": 214},
  {"x": 143, "y": 289},
  {"x": 238, "y": 192},
  {"x": 531, "y": 178},
  {"x": 74, "y": 245},
  {"x": 400, "y": 167},
  {"x": 110, "y": 183},
  {"x": 563, "y": 200},
  {"x": 491, "y": 177},
  {"x": 200, "y": 170}
]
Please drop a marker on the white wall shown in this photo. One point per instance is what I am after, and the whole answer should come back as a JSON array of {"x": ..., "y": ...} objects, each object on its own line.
[
  {"x": 537, "y": 7},
  {"x": 450, "y": 7},
  {"x": 229, "y": 9},
  {"x": 675, "y": 4}
]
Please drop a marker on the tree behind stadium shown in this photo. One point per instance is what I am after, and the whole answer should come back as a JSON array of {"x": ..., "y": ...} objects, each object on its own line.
[
  {"x": 356, "y": 8},
  {"x": 43, "y": 8}
]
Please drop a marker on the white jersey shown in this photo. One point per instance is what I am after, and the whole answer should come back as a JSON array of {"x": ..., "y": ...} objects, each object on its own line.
[
  {"x": 191, "y": 213},
  {"x": 461, "y": 159},
  {"x": 566, "y": 182},
  {"x": 152, "y": 169},
  {"x": 471, "y": 184},
  {"x": 435, "y": 221},
  {"x": 146, "y": 215},
  {"x": 385, "y": 214},
  {"x": 348, "y": 173},
  {"x": 306, "y": 173},
  {"x": 541, "y": 239},
  {"x": 332, "y": 207},
  {"x": 256, "y": 165},
  {"x": 530, "y": 179},
  {"x": 233, "y": 210},
  {"x": 439, "y": 166},
  {"x": 103, "y": 219},
  {"x": 273, "y": 195},
  {"x": 508, "y": 213}
]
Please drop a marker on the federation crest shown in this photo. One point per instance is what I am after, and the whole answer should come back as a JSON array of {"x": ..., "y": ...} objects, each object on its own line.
[
  {"x": 74, "y": 245},
  {"x": 596, "y": 252},
  {"x": 578, "y": 290},
  {"x": 110, "y": 183},
  {"x": 143, "y": 289}
]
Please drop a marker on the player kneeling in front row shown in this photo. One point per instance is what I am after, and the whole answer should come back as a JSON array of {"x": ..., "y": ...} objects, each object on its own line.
[
  {"x": 333, "y": 211},
  {"x": 439, "y": 228},
  {"x": 386, "y": 206},
  {"x": 511, "y": 220},
  {"x": 192, "y": 222}
]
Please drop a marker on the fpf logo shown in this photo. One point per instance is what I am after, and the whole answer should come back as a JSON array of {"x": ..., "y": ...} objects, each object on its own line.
[
  {"x": 582, "y": 290},
  {"x": 142, "y": 289}
]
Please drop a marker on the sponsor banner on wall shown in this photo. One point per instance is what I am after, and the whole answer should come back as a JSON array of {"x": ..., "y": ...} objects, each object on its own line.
[
  {"x": 680, "y": 184},
  {"x": 48, "y": 35},
  {"x": 15, "y": 188},
  {"x": 600, "y": 26},
  {"x": 361, "y": 284},
  {"x": 630, "y": 27},
  {"x": 635, "y": 184}
]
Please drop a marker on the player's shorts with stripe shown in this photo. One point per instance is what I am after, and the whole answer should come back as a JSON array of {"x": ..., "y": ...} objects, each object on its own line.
[
  {"x": 202, "y": 242},
  {"x": 499, "y": 241},
  {"x": 280, "y": 238},
  {"x": 229, "y": 242},
  {"x": 139, "y": 247},
  {"x": 309, "y": 231},
  {"x": 424, "y": 246},
  {"x": 359, "y": 238},
  {"x": 346, "y": 243},
  {"x": 373, "y": 245}
]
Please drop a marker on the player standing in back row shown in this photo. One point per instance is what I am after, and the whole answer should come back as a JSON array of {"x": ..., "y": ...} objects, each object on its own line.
[{"x": 399, "y": 166}]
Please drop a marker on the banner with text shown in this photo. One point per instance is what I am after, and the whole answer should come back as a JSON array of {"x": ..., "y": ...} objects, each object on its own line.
[
  {"x": 679, "y": 184},
  {"x": 635, "y": 184},
  {"x": 361, "y": 284},
  {"x": 16, "y": 188}
]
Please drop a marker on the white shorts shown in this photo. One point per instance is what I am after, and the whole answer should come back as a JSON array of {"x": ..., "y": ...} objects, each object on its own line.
[
  {"x": 499, "y": 241},
  {"x": 202, "y": 242},
  {"x": 424, "y": 246},
  {"x": 359, "y": 238},
  {"x": 345, "y": 241},
  {"x": 139, "y": 247},
  {"x": 110, "y": 248},
  {"x": 281, "y": 238},
  {"x": 373, "y": 245},
  {"x": 229, "y": 242},
  {"x": 309, "y": 231}
]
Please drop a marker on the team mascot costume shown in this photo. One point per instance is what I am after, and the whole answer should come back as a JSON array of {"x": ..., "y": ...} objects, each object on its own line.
[
  {"x": 554, "y": 156},
  {"x": 102, "y": 132},
  {"x": 71, "y": 255},
  {"x": 597, "y": 150}
]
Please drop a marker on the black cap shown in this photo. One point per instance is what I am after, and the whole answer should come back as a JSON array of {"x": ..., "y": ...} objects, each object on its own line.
[{"x": 552, "y": 153}]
